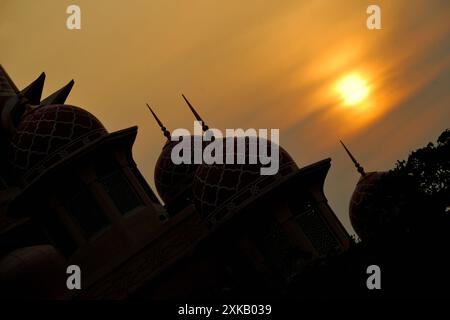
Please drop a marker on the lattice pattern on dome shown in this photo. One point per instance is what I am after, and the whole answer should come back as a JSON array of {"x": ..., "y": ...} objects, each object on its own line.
[
  {"x": 220, "y": 189},
  {"x": 48, "y": 134},
  {"x": 173, "y": 179}
]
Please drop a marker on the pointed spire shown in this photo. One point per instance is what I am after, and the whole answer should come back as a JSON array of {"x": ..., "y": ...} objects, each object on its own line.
[
  {"x": 59, "y": 96},
  {"x": 12, "y": 105},
  {"x": 163, "y": 128},
  {"x": 196, "y": 115},
  {"x": 357, "y": 165},
  {"x": 7, "y": 86},
  {"x": 34, "y": 91}
]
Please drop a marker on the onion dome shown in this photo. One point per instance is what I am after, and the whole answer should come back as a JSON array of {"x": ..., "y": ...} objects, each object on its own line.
[
  {"x": 174, "y": 181},
  {"x": 365, "y": 198},
  {"x": 388, "y": 203},
  {"x": 222, "y": 189},
  {"x": 47, "y": 134},
  {"x": 36, "y": 272},
  {"x": 366, "y": 213},
  {"x": 38, "y": 134}
]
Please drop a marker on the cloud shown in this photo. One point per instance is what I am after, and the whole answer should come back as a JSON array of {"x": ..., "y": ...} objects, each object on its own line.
[{"x": 262, "y": 64}]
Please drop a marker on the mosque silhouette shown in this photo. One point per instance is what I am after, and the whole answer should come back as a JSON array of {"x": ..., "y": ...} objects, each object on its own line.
[{"x": 71, "y": 194}]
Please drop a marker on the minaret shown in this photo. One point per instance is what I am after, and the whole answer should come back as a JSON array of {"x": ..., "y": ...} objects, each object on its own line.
[
  {"x": 196, "y": 115},
  {"x": 356, "y": 163},
  {"x": 161, "y": 125}
]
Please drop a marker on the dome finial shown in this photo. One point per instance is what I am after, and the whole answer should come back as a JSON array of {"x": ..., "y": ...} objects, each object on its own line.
[
  {"x": 196, "y": 115},
  {"x": 357, "y": 165},
  {"x": 161, "y": 125}
]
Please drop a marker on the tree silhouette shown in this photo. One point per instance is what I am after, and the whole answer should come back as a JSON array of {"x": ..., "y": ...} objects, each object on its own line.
[
  {"x": 408, "y": 224},
  {"x": 430, "y": 169}
]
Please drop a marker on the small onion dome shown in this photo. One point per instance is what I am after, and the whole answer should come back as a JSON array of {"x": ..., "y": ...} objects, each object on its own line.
[
  {"x": 47, "y": 134},
  {"x": 363, "y": 217},
  {"x": 173, "y": 180},
  {"x": 36, "y": 272},
  {"x": 221, "y": 189}
]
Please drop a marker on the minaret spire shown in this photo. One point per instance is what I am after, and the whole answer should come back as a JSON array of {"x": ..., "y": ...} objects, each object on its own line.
[
  {"x": 7, "y": 86},
  {"x": 12, "y": 103},
  {"x": 161, "y": 125},
  {"x": 196, "y": 115},
  {"x": 357, "y": 165},
  {"x": 34, "y": 91},
  {"x": 60, "y": 96}
]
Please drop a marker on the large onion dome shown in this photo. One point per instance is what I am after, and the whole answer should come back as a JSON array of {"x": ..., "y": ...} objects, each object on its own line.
[
  {"x": 40, "y": 133},
  {"x": 47, "y": 134},
  {"x": 174, "y": 181}
]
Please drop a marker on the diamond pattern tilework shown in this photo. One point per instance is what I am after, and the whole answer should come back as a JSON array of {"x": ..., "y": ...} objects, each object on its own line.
[
  {"x": 48, "y": 130},
  {"x": 220, "y": 189}
]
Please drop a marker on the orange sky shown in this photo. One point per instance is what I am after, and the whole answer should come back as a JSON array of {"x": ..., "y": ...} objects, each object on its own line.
[{"x": 259, "y": 64}]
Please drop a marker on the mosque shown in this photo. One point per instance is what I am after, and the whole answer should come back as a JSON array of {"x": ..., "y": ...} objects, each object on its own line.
[{"x": 71, "y": 194}]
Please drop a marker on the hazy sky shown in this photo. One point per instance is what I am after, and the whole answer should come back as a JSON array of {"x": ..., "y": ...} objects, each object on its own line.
[{"x": 248, "y": 64}]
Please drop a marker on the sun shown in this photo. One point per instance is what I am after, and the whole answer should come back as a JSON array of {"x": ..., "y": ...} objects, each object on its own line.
[{"x": 353, "y": 89}]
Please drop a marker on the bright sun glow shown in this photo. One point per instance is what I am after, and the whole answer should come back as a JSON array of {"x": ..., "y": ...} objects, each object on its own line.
[{"x": 353, "y": 89}]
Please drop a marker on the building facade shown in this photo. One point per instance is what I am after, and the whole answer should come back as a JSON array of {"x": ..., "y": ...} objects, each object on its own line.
[{"x": 71, "y": 194}]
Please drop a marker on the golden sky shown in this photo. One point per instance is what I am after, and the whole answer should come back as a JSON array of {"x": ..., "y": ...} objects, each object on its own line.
[{"x": 248, "y": 64}]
